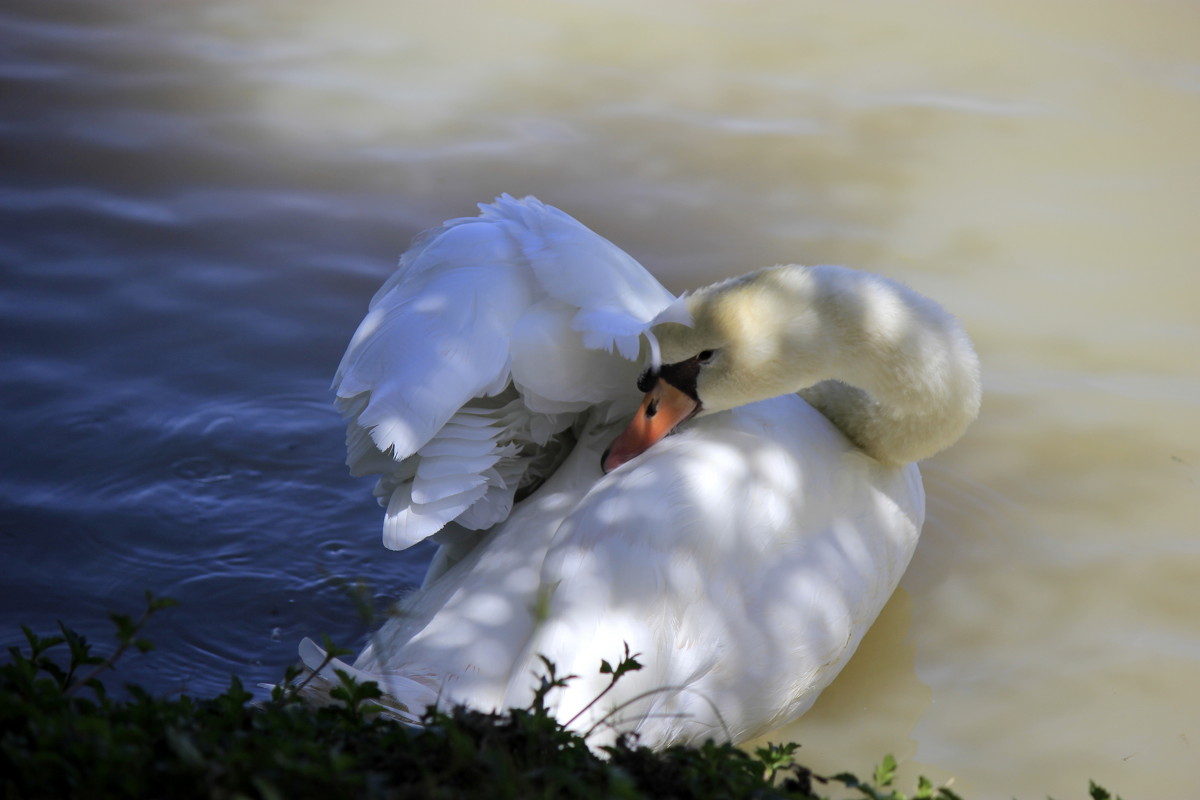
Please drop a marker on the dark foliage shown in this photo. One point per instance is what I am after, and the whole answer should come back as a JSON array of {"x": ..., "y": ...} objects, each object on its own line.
[{"x": 61, "y": 736}]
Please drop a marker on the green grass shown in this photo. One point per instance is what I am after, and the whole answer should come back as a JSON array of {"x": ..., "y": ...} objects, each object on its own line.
[{"x": 62, "y": 736}]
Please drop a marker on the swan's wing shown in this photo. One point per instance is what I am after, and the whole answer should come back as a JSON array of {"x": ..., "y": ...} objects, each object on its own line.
[{"x": 493, "y": 335}]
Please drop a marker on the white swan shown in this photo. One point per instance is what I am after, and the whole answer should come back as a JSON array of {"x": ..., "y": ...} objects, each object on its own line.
[{"x": 743, "y": 558}]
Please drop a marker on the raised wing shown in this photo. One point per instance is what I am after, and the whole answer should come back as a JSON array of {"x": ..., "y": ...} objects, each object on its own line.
[{"x": 494, "y": 334}]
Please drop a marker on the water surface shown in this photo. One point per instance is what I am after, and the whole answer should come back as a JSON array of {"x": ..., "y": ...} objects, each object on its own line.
[{"x": 197, "y": 203}]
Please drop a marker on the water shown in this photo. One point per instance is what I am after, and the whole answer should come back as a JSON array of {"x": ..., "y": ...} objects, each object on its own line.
[{"x": 198, "y": 201}]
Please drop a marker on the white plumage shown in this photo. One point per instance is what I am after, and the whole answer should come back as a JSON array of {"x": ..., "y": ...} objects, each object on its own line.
[
  {"x": 522, "y": 298},
  {"x": 743, "y": 557}
]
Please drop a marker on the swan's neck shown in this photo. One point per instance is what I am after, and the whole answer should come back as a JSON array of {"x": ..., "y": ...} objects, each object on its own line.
[{"x": 889, "y": 367}]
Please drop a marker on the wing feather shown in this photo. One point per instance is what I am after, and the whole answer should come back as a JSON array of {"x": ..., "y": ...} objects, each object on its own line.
[{"x": 494, "y": 334}]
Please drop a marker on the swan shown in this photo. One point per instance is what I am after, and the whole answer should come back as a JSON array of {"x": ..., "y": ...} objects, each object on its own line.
[{"x": 722, "y": 484}]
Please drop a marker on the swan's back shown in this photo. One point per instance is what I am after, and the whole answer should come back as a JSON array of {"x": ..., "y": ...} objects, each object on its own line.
[{"x": 744, "y": 557}]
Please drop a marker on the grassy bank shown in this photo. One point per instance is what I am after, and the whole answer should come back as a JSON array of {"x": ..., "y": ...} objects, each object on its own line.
[{"x": 62, "y": 736}]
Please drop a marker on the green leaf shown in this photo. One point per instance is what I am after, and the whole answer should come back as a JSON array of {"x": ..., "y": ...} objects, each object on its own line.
[
  {"x": 81, "y": 650},
  {"x": 184, "y": 747},
  {"x": 39, "y": 645},
  {"x": 332, "y": 650},
  {"x": 885, "y": 773},
  {"x": 848, "y": 779},
  {"x": 125, "y": 626},
  {"x": 159, "y": 603}
]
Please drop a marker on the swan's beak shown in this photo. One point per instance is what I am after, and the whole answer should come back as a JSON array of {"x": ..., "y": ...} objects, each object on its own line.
[{"x": 663, "y": 407}]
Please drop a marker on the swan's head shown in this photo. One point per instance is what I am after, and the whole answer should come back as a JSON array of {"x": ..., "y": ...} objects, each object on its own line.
[
  {"x": 890, "y": 368},
  {"x": 745, "y": 343}
]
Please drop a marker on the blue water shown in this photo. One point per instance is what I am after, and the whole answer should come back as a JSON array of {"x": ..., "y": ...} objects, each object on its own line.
[{"x": 175, "y": 293}]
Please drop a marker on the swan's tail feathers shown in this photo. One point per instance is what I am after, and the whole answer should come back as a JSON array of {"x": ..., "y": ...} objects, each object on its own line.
[{"x": 404, "y": 699}]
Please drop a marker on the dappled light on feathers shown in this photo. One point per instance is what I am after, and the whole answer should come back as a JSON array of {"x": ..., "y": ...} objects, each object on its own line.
[{"x": 742, "y": 557}]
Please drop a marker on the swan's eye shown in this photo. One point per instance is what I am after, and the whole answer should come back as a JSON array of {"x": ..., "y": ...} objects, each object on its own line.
[
  {"x": 705, "y": 356},
  {"x": 646, "y": 381}
]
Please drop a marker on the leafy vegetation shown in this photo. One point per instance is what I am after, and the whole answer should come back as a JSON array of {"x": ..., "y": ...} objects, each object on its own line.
[{"x": 62, "y": 736}]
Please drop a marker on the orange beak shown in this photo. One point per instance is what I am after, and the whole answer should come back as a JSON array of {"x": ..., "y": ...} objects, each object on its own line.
[{"x": 663, "y": 408}]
